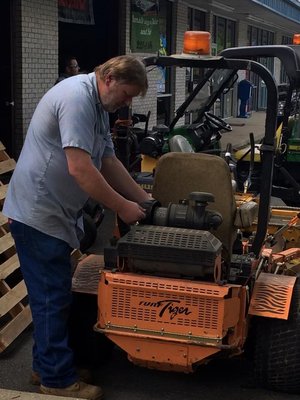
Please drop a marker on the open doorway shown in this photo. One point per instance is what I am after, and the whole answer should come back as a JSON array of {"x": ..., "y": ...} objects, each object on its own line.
[
  {"x": 91, "y": 44},
  {"x": 6, "y": 78}
]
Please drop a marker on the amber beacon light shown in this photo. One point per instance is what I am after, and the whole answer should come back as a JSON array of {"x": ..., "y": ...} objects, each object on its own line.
[
  {"x": 296, "y": 38},
  {"x": 196, "y": 42}
]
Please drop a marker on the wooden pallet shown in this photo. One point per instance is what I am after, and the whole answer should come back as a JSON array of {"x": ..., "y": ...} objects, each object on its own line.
[
  {"x": 7, "y": 166},
  {"x": 19, "y": 395},
  {"x": 15, "y": 313}
]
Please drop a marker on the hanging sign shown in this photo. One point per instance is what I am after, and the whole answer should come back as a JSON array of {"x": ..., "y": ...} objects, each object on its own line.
[
  {"x": 76, "y": 11},
  {"x": 144, "y": 26}
]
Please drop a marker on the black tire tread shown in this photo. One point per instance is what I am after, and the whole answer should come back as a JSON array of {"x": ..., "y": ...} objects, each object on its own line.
[{"x": 277, "y": 349}]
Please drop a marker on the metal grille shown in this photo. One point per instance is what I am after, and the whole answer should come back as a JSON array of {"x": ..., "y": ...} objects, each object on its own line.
[
  {"x": 170, "y": 244},
  {"x": 167, "y": 286},
  {"x": 123, "y": 308}
]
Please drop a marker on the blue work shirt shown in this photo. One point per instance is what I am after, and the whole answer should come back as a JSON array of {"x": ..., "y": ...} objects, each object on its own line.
[
  {"x": 42, "y": 193},
  {"x": 244, "y": 90}
]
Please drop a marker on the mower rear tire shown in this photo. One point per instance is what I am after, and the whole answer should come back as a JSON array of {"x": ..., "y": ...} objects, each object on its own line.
[{"x": 277, "y": 349}]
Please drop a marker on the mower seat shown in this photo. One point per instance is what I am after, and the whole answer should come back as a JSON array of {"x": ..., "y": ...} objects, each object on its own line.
[{"x": 178, "y": 174}]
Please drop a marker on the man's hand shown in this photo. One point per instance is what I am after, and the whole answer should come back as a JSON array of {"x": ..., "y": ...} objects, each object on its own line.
[{"x": 131, "y": 212}]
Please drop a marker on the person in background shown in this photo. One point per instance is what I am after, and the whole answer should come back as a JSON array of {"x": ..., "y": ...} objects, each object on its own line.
[
  {"x": 244, "y": 95},
  {"x": 71, "y": 68},
  {"x": 74, "y": 159}
]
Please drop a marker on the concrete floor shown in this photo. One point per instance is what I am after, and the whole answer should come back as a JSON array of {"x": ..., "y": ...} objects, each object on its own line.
[{"x": 241, "y": 128}]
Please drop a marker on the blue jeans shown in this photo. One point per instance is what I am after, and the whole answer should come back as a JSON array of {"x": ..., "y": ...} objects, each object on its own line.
[
  {"x": 46, "y": 269},
  {"x": 243, "y": 106}
]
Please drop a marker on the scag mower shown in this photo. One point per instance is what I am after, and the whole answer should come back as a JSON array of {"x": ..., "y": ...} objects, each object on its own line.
[{"x": 203, "y": 273}]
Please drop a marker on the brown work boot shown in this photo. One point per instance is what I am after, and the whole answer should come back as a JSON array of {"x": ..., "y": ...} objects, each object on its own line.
[
  {"x": 35, "y": 378},
  {"x": 84, "y": 375},
  {"x": 79, "y": 390}
]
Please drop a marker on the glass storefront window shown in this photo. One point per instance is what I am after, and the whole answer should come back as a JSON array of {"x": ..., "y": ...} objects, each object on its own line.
[
  {"x": 196, "y": 22},
  {"x": 164, "y": 77},
  {"x": 224, "y": 32},
  {"x": 283, "y": 75},
  {"x": 257, "y": 37},
  {"x": 230, "y": 34}
]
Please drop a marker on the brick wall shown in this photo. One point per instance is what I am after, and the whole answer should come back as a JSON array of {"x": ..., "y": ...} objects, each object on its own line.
[
  {"x": 180, "y": 11},
  {"x": 36, "y": 66}
]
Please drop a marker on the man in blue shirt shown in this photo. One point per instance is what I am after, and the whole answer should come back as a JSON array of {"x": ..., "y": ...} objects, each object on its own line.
[
  {"x": 244, "y": 94},
  {"x": 71, "y": 68},
  {"x": 67, "y": 157}
]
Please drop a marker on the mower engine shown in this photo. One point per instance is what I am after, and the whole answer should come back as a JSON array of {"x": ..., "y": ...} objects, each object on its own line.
[{"x": 172, "y": 241}]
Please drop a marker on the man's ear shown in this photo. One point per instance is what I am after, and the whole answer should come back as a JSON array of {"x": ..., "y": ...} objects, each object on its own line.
[{"x": 108, "y": 79}]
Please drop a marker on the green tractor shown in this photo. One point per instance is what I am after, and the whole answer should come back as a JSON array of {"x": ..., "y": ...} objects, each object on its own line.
[{"x": 286, "y": 176}]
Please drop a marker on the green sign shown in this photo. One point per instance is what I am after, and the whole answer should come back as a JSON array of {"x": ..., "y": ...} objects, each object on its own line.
[{"x": 144, "y": 27}]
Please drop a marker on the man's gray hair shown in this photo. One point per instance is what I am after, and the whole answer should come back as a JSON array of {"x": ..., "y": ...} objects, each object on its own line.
[{"x": 128, "y": 69}]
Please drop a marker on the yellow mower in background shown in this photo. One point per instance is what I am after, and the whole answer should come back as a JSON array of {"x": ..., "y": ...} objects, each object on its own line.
[{"x": 286, "y": 175}]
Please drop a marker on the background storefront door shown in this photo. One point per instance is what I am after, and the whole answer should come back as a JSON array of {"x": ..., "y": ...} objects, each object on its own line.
[{"x": 6, "y": 78}]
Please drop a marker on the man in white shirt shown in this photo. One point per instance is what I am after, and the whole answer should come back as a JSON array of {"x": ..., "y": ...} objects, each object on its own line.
[{"x": 67, "y": 157}]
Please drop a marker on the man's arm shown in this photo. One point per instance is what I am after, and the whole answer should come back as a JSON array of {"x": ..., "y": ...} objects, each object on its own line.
[
  {"x": 95, "y": 185},
  {"x": 119, "y": 178}
]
